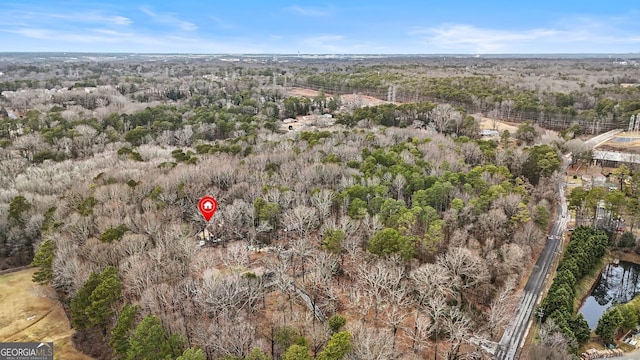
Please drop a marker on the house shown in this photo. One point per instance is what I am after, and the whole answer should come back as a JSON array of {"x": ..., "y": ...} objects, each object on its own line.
[
  {"x": 591, "y": 181},
  {"x": 599, "y": 180},
  {"x": 617, "y": 146},
  {"x": 613, "y": 158},
  {"x": 204, "y": 235},
  {"x": 489, "y": 132}
]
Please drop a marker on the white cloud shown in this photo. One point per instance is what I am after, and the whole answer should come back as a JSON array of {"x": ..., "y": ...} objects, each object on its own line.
[
  {"x": 469, "y": 38},
  {"x": 169, "y": 19},
  {"x": 101, "y": 39},
  {"x": 113, "y": 33},
  {"x": 121, "y": 20},
  {"x": 310, "y": 11},
  {"x": 26, "y": 18},
  {"x": 578, "y": 34},
  {"x": 90, "y": 36},
  {"x": 92, "y": 17}
]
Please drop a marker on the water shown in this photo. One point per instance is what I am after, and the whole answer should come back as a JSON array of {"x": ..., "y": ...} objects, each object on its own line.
[
  {"x": 617, "y": 284},
  {"x": 625, "y": 139}
]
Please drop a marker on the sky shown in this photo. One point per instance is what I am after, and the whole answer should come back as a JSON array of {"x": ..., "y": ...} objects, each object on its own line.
[{"x": 319, "y": 27}]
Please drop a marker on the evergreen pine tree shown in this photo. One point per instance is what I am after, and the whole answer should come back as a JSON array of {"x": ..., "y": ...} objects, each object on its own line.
[{"x": 44, "y": 259}]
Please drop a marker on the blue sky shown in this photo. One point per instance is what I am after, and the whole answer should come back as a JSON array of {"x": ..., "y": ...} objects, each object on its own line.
[{"x": 357, "y": 27}]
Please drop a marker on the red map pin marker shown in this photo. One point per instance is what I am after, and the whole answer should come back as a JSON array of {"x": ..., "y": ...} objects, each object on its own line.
[{"x": 207, "y": 206}]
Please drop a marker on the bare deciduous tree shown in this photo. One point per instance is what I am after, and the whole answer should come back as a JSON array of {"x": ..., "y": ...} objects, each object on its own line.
[
  {"x": 493, "y": 222},
  {"x": 501, "y": 307},
  {"x": 468, "y": 270},
  {"x": 508, "y": 203},
  {"x": 362, "y": 302},
  {"x": 369, "y": 226},
  {"x": 431, "y": 280},
  {"x": 442, "y": 116},
  {"x": 67, "y": 273},
  {"x": 472, "y": 153},
  {"x": 237, "y": 217},
  {"x": 437, "y": 309},
  {"x": 370, "y": 344},
  {"x": 458, "y": 327},
  {"x": 322, "y": 200},
  {"x": 398, "y": 184},
  {"x": 324, "y": 264},
  {"x": 236, "y": 336},
  {"x": 236, "y": 256},
  {"x": 417, "y": 333},
  {"x": 300, "y": 219},
  {"x": 379, "y": 280},
  {"x": 553, "y": 345},
  {"x": 529, "y": 235},
  {"x": 396, "y": 310}
]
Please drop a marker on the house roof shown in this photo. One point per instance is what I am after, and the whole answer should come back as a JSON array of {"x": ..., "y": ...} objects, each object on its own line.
[
  {"x": 616, "y": 156},
  {"x": 489, "y": 132}
]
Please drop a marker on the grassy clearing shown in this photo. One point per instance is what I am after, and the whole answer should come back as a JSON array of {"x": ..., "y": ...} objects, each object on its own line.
[{"x": 27, "y": 314}]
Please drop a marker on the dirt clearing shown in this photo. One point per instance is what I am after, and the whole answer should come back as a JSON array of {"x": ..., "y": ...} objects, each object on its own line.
[
  {"x": 490, "y": 124},
  {"x": 357, "y": 100},
  {"x": 27, "y": 315},
  {"x": 347, "y": 99}
]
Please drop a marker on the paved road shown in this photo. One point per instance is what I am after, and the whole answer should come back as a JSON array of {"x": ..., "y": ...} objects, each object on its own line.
[
  {"x": 634, "y": 355},
  {"x": 514, "y": 335},
  {"x": 597, "y": 140}
]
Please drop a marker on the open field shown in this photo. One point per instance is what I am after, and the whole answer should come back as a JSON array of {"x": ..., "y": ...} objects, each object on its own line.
[
  {"x": 628, "y": 141},
  {"x": 487, "y": 123},
  {"x": 27, "y": 315},
  {"x": 364, "y": 100},
  {"x": 347, "y": 99}
]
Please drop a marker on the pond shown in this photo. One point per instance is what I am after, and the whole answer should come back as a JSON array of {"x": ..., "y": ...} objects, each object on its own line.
[
  {"x": 624, "y": 139},
  {"x": 617, "y": 284}
]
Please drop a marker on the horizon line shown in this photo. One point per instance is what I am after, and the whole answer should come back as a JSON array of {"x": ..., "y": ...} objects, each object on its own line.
[{"x": 315, "y": 54}]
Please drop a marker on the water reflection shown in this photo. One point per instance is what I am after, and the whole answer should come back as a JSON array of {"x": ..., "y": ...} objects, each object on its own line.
[{"x": 617, "y": 284}]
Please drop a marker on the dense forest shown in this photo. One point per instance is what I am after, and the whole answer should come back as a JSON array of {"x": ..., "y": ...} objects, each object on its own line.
[{"x": 394, "y": 232}]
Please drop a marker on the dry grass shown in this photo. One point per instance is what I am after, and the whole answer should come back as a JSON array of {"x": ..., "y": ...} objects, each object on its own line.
[
  {"x": 347, "y": 99},
  {"x": 632, "y": 145},
  {"x": 487, "y": 123},
  {"x": 594, "y": 343},
  {"x": 26, "y": 314},
  {"x": 573, "y": 183},
  {"x": 363, "y": 100}
]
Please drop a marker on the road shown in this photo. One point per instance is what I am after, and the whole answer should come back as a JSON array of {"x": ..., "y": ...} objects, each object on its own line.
[
  {"x": 602, "y": 138},
  {"x": 634, "y": 355},
  {"x": 515, "y": 334}
]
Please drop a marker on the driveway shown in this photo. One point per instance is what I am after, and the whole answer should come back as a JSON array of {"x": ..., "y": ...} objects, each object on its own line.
[{"x": 634, "y": 355}]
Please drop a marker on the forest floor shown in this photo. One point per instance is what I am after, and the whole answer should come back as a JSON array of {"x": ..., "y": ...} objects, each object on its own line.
[{"x": 30, "y": 314}]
